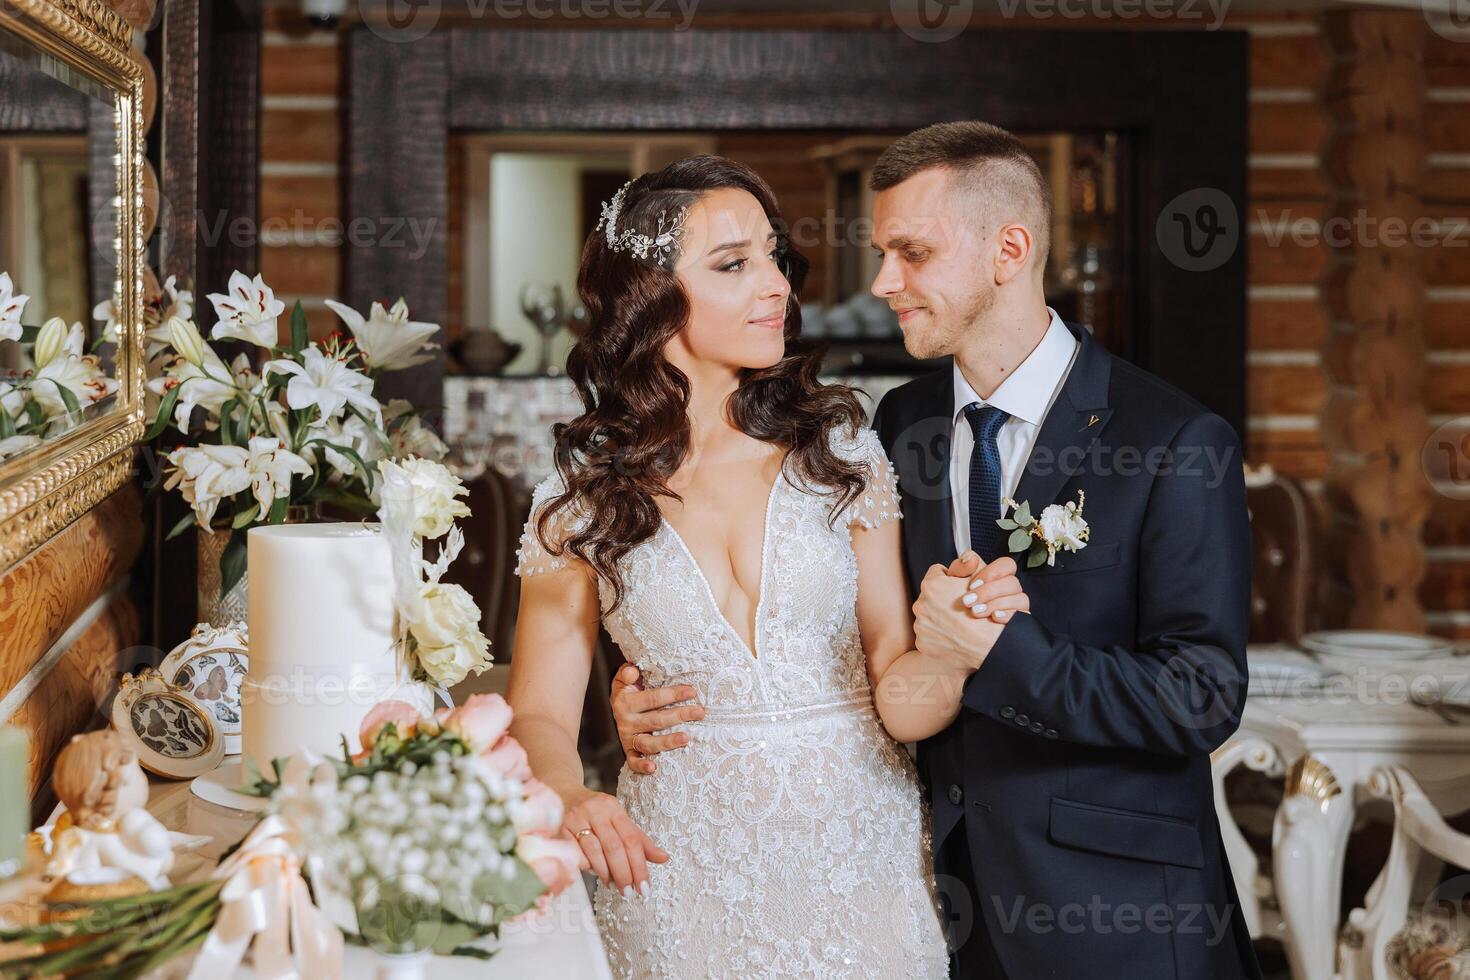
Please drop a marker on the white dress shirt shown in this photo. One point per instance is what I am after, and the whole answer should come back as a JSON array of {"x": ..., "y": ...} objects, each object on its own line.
[{"x": 1027, "y": 395}]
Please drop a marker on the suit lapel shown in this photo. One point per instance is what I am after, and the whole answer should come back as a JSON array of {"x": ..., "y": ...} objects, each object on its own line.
[
  {"x": 1069, "y": 430},
  {"x": 921, "y": 454}
]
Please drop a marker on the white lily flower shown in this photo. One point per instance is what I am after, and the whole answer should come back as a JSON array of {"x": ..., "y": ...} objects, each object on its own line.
[
  {"x": 271, "y": 465},
  {"x": 327, "y": 383},
  {"x": 11, "y": 305},
  {"x": 208, "y": 384},
  {"x": 248, "y": 312},
  {"x": 388, "y": 339},
  {"x": 106, "y": 311},
  {"x": 83, "y": 376},
  {"x": 155, "y": 321},
  {"x": 350, "y": 432},
  {"x": 411, "y": 437},
  {"x": 206, "y": 475}
]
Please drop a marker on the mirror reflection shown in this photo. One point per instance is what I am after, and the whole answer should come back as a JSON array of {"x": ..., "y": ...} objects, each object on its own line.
[{"x": 58, "y": 261}]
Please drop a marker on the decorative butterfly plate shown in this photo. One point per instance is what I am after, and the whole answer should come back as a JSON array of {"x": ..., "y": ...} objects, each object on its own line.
[
  {"x": 210, "y": 665},
  {"x": 173, "y": 734}
]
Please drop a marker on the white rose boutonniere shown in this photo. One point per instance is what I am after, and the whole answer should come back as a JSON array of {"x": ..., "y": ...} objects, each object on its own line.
[{"x": 1060, "y": 527}]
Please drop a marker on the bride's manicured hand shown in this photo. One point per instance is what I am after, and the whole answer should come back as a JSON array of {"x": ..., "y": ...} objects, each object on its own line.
[
  {"x": 641, "y": 714},
  {"x": 617, "y": 850},
  {"x": 994, "y": 592}
]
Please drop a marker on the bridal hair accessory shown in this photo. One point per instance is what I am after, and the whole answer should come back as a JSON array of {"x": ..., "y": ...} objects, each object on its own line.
[{"x": 660, "y": 246}]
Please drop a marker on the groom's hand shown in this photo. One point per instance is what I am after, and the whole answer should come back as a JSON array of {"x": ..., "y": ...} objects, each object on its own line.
[
  {"x": 945, "y": 621},
  {"x": 640, "y": 714}
]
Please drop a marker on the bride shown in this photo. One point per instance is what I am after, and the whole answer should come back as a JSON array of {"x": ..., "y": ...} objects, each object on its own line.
[{"x": 732, "y": 523}]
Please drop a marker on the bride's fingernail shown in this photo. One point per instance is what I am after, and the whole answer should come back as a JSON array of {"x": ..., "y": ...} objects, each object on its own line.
[
  {"x": 643, "y": 889},
  {"x": 981, "y": 607},
  {"x": 627, "y": 891},
  {"x": 1002, "y": 615},
  {"x": 969, "y": 598},
  {"x": 977, "y": 583}
]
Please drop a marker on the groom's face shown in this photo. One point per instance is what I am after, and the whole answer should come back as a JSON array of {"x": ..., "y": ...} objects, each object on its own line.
[{"x": 934, "y": 269}]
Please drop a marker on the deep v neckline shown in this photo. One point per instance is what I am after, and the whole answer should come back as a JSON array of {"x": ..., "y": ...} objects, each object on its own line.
[{"x": 760, "y": 599}]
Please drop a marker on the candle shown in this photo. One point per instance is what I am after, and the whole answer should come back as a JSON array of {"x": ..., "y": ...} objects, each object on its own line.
[{"x": 15, "y": 799}]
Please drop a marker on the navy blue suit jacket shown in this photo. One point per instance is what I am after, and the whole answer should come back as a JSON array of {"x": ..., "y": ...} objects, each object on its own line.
[{"x": 1079, "y": 766}]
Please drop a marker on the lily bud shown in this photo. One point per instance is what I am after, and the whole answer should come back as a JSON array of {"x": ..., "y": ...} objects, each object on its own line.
[
  {"x": 50, "y": 341},
  {"x": 186, "y": 340}
]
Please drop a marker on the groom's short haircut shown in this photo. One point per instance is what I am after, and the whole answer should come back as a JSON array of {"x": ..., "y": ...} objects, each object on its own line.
[{"x": 991, "y": 170}]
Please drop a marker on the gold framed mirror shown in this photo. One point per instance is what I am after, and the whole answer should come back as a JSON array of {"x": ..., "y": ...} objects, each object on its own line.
[{"x": 71, "y": 264}]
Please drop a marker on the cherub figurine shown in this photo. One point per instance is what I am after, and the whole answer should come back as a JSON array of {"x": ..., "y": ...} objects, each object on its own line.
[{"x": 105, "y": 791}]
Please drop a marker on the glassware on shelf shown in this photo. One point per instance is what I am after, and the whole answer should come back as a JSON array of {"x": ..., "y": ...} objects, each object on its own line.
[{"x": 544, "y": 306}]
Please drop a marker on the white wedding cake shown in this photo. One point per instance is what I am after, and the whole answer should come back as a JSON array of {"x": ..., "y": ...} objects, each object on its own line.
[{"x": 321, "y": 639}]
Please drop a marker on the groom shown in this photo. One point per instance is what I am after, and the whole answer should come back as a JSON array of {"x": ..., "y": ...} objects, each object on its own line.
[{"x": 1074, "y": 828}]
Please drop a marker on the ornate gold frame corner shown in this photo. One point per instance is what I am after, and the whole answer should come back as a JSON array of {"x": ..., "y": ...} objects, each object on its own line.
[{"x": 44, "y": 490}]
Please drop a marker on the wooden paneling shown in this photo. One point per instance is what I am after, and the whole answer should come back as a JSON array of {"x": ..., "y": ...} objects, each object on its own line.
[
  {"x": 41, "y": 598},
  {"x": 76, "y": 692},
  {"x": 301, "y": 135},
  {"x": 306, "y": 270},
  {"x": 42, "y": 595},
  {"x": 306, "y": 69}
]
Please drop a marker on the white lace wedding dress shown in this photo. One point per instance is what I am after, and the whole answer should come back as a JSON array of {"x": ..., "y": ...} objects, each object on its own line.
[{"x": 794, "y": 823}]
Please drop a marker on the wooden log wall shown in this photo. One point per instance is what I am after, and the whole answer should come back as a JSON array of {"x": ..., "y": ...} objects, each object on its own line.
[{"x": 1374, "y": 420}]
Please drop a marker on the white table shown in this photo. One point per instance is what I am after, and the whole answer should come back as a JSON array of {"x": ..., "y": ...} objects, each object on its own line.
[
  {"x": 1328, "y": 742},
  {"x": 564, "y": 943}
]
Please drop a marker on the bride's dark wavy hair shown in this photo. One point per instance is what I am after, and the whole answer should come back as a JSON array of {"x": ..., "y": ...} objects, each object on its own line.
[{"x": 633, "y": 433}]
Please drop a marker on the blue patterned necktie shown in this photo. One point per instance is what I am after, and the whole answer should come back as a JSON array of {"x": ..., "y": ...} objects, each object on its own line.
[{"x": 986, "y": 538}]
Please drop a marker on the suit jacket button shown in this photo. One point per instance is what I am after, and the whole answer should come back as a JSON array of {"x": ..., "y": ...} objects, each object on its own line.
[
  {"x": 1036, "y": 727},
  {"x": 1022, "y": 720},
  {"x": 1007, "y": 712},
  {"x": 955, "y": 794},
  {"x": 1050, "y": 733}
]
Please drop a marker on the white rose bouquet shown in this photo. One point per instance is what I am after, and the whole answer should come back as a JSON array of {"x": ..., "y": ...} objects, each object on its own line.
[{"x": 302, "y": 428}]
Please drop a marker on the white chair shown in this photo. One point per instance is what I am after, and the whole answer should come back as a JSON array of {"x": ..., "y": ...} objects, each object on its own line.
[
  {"x": 1387, "y": 939},
  {"x": 1250, "y": 884}
]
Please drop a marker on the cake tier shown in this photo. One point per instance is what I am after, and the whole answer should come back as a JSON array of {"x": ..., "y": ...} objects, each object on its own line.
[{"x": 321, "y": 638}]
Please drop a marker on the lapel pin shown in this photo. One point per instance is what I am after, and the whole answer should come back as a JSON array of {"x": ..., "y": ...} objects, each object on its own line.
[{"x": 1092, "y": 421}]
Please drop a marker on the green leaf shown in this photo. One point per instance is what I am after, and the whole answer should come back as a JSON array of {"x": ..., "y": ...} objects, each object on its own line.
[
  {"x": 35, "y": 413},
  {"x": 232, "y": 563},
  {"x": 278, "y": 510},
  {"x": 184, "y": 523},
  {"x": 245, "y": 516},
  {"x": 1019, "y": 540},
  {"x": 226, "y": 423},
  {"x": 68, "y": 398},
  {"x": 1006, "y": 524},
  {"x": 1023, "y": 512},
  {"x": 1037, "y": 555},
  {"x": 298, "y": 327},
  {"x": 165, "y": 413},
  {"x": 7, "y": 425},
  {"x": 357, "y": 461}
]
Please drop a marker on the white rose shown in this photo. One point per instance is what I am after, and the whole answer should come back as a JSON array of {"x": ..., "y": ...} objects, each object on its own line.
[
  {"x": 451, "y": 663},
  {"x": 1064, "y": 527},
  {"x": 442, "y": 614},
  {"x": 434, "y": 493}
]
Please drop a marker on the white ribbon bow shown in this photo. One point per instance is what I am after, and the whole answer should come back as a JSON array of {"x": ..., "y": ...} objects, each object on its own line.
[{"x": 265, "y": 901}]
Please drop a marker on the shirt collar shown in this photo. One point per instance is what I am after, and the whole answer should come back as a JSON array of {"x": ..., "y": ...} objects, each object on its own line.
[{"x": 1028, "y": 391}]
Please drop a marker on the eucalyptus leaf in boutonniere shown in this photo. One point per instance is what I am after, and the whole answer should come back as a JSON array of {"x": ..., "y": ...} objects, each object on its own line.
[{"x": 1060, "y": 527}]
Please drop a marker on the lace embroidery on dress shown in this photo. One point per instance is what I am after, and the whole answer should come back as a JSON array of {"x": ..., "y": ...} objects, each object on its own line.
[
  {"x": 795, "y": 824},
  {"x": 879, "y": 501},
  {"x": 533, "y": 556}
]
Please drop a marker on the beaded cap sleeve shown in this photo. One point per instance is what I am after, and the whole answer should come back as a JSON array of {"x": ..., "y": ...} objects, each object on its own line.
[
  {"x": 879, "y": 502},
  {"x": 533, "y": 556}
]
